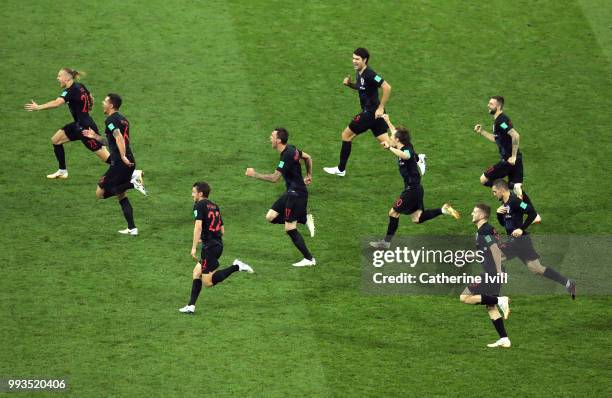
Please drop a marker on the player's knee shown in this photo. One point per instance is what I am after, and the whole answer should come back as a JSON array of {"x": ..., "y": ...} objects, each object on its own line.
[
  {"x": 483, "y": 179},
  {"x": 415, "y": 218},
  {"x": 393, "y": 213},
  {"x": 463, "y": 298},
  {"x": 207, "y": 280},
  {"x": 270, "y": 217},
  {"x": 535, "y": 267},
  {"x": 347, "y": 135},
  {"x": 290, "y": 227},
  {"x": 99, "y": 193}
]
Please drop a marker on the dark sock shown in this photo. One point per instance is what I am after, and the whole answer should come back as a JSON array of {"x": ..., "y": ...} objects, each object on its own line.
[
  {"x": 280, "y": 219},
  {"x": 128, "y": 212},
  {"x": 298, "y": 241},
  {"x": 391, "y": 228},
  {"x": 345, "y": 152},
  {"x": 220, "y": 275},
  {"x": 60, "y": 155},
  {"x": 488, "y": 300},
  {"x": 196, "y": 287},
  {"x": 108, "y": 160},
  {"x": 429, "y": 214},
  {"x": 499, "y": 326},
  {"x": 555, "y": 276},
  {"x": 489, "y": 184}
]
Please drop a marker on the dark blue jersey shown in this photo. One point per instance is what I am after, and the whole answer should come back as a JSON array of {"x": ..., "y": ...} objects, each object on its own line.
[
  {"x": 117, "y": 121},
  {"x": 210, "y": 215},
  {"x": 501, "y": 130},
  {"x": 80, "y": 102},
  {"x": 409, "y": 169},
  {"x": 291, "y": 169},
  {"x": 367, "y": 83}
]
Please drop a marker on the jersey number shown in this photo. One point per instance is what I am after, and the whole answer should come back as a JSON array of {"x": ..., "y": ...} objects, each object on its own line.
[
  {"x": 214, "y": 217},
  {"x": 86, "y": 100}
]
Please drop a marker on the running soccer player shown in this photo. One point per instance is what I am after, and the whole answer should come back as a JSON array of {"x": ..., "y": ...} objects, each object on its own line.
[
  {"x": 121, "y": 174},
  {"x": 366, "y": 83},
  {"x": 487, "y": 292},
  {"x": 209, "y": 230},
  {"x": 80, "y": 103},
  {"x": 507, "y": 140},
  {"x": 511, "y": 216},
  {"x": 410, "y": 201},
  {"x": 291, "y": 208}
]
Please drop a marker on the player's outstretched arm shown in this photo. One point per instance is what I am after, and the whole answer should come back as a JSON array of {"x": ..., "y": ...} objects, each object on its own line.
[
  {"x": 480, "y": 131},
  {"x": 274, "y": 177},
  {"x": 89, "y": 133},
  {"x": 33, "y": 106},
  {"x": 388, "y": 121}
]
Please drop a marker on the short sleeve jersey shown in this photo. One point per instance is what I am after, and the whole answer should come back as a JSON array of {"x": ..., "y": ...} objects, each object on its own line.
[
  {"x": 291, "y": 169},
  {"x": 80, "y": 102},
  {"x": 117, "y": 121},
  {"x": 210, "y": 215},
  {"x": 501, "y": 130},
  {"x": 408, "y": 168},
  {"x": 367, "y": 84},
  {"x": 515, "y": 211},
  {"x": 485, "y": 238}
]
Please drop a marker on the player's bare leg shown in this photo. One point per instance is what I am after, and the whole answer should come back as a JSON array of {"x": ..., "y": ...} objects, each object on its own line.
[{"x": 103, "y": 154}]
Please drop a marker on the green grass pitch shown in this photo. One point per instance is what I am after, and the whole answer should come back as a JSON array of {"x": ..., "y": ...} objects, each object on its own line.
[{"x": 203, "y": 85}]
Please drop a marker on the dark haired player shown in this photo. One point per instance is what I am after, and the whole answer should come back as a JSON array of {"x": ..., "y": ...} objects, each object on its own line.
[
  {"x": 291, "y": 208},
  {"x": 410, "y": 201},
  {"x": 366, "y": 83},
  {"x": 487, "y": 292},
  {"x": 511, "y": 216},
  {"x": 511, "y": 158},
  {"x": 507, "y": 140},
  {"x": 121, "y": 175},
  {"x": 80, "y": 103},
  {"x": 208, "y": 229}
]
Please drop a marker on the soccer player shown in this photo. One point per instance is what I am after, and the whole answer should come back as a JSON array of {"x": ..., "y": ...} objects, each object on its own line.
[
  {"x": 511, "y": 216},
  {"x": 209, "y": 230},
  {"x": 121, "y": 174},
  {"x": 507, "y": 140},
  {"x": 291, "y": 208},
  {"x": 487, "y": 292},
  {"x": 410, "y": 201},
  {"x": 367, "y": 83},
  {"x": 80, "y": 103}
]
